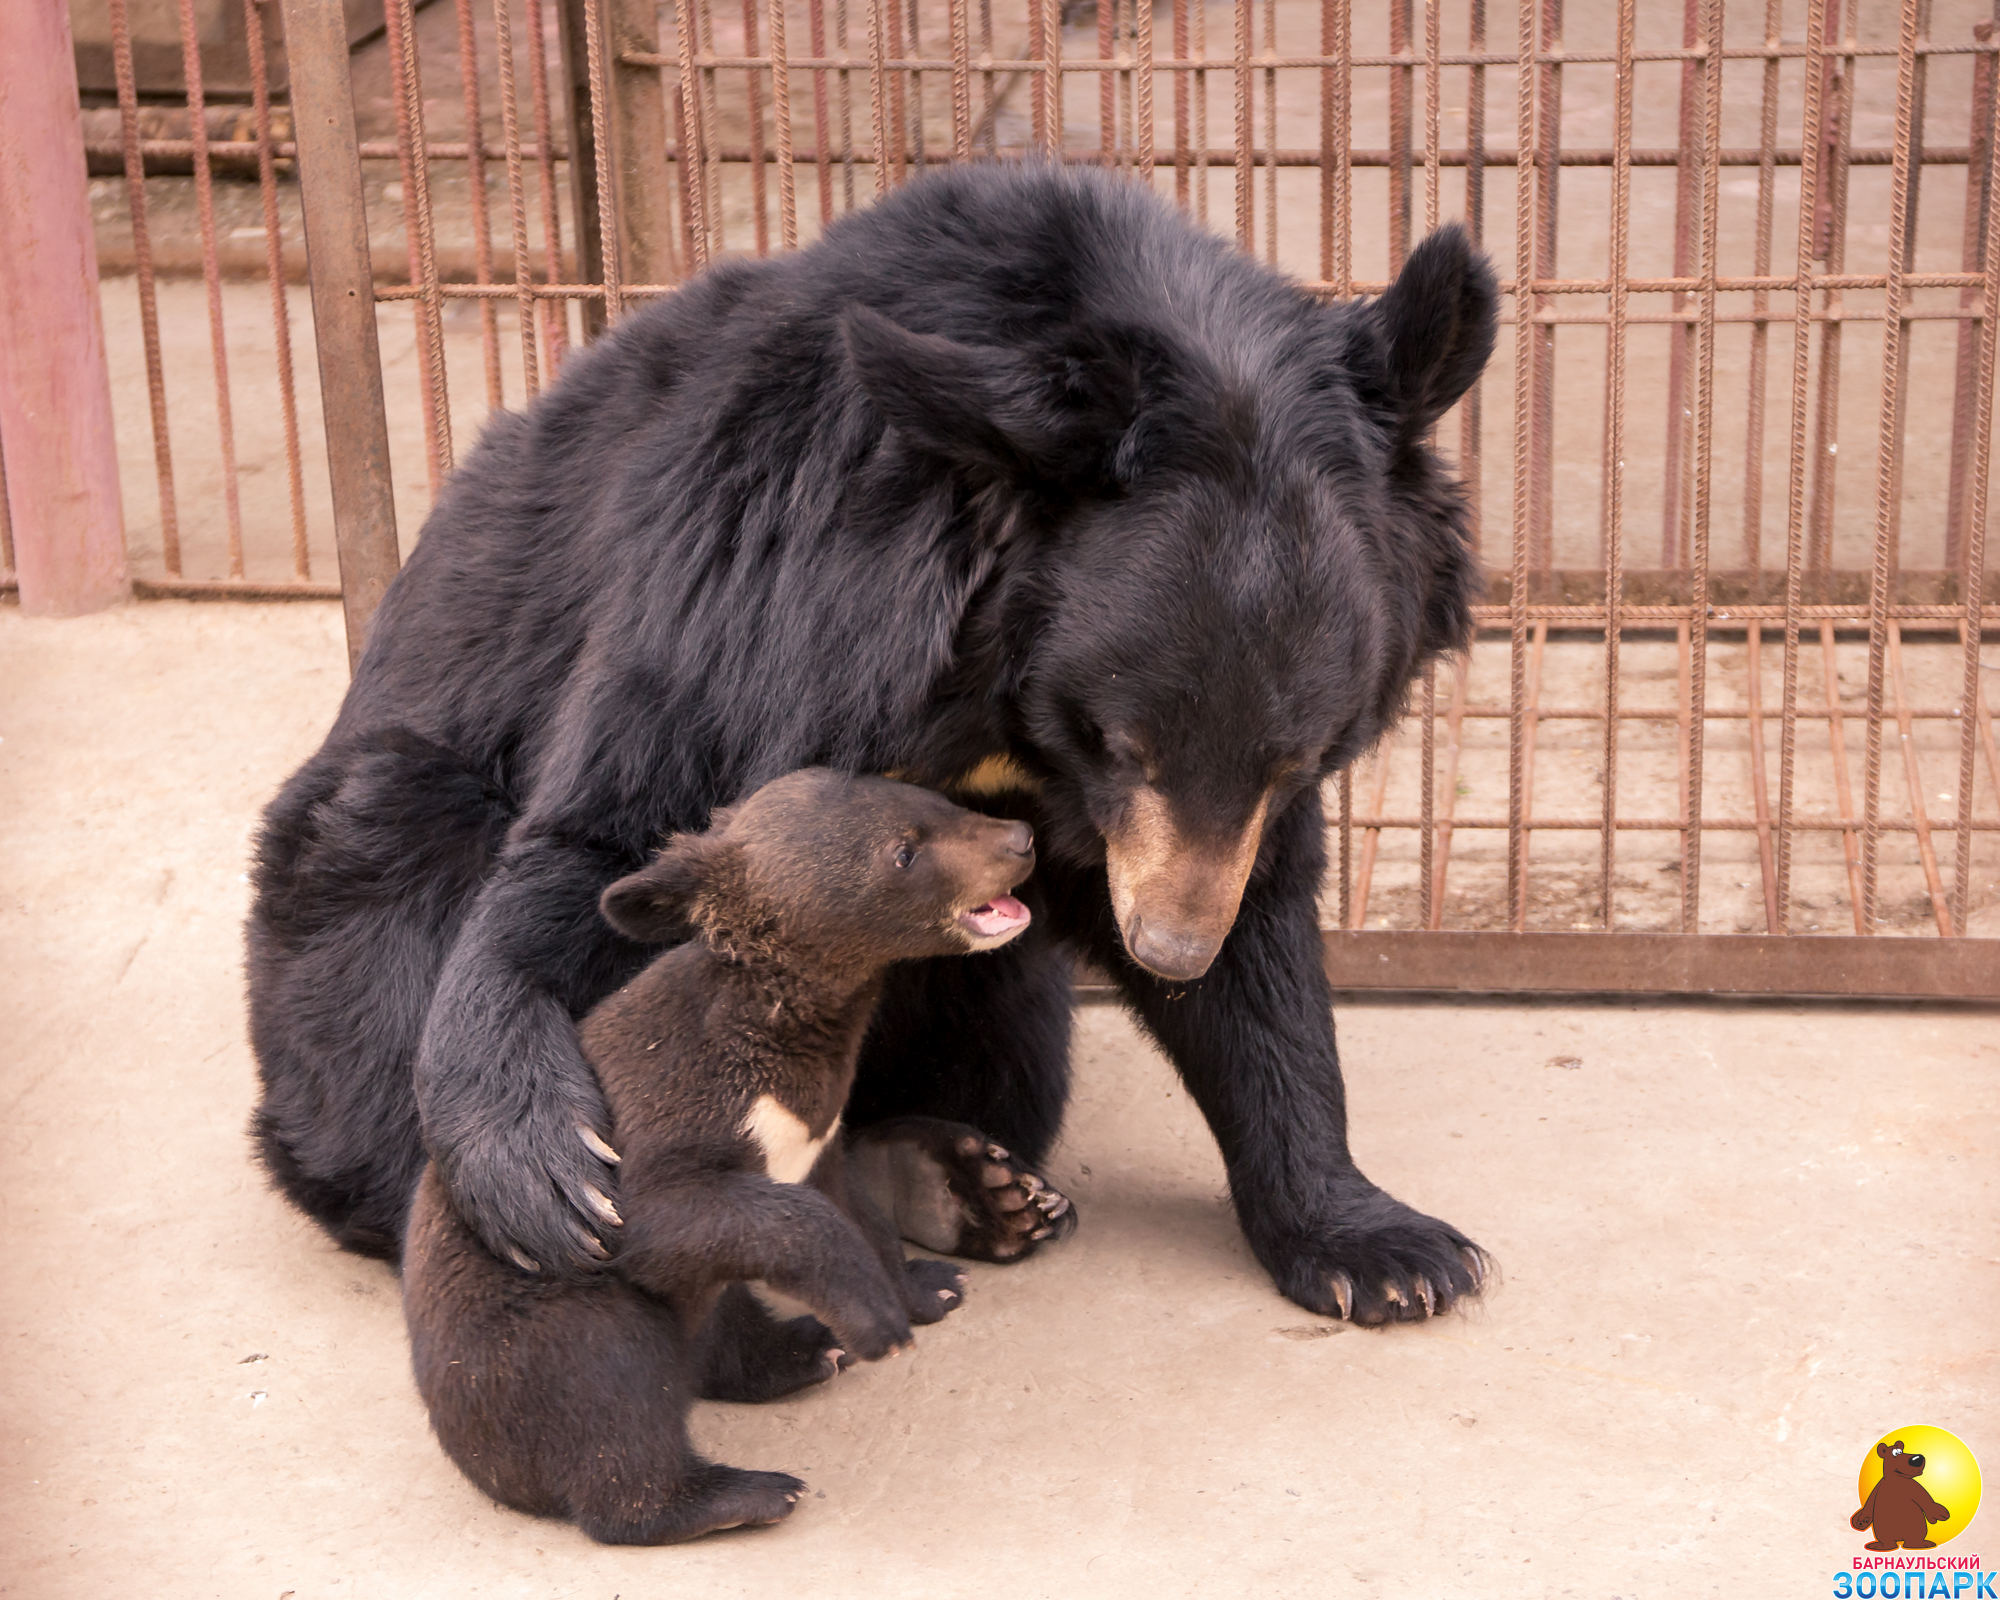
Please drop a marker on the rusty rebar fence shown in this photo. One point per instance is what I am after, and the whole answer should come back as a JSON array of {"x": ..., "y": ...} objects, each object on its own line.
[{"x": 1728, "y": 681}]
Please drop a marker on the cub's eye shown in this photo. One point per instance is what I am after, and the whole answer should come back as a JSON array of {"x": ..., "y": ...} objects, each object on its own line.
[{"x": 905, "y": 854}]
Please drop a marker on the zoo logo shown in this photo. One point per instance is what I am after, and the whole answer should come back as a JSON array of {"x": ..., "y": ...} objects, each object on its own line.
[{"x": 1905, "y": 1514}]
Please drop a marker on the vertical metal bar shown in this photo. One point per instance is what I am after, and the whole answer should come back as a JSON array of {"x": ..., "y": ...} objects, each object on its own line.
[
  {"x": 211, "y": 274},
  {"x": 1433, "y": 110},
  {"x": 1524, "y": 412},
  {"x": 1142, "y": 104},
  {"x": 1338, "y": 19},
  {"x": 1810, "y": 142},
  {"x": 1919, "y": 817},
  {"x": 428, "y": 308},
  {"x": 1673, "y": 551},
  {"x": 961, "y": 80},
  {"x": 816, "y": 27},
  {"x": 1760, "y": 783},
  {"x": 343, "y": 298},
  {"x": 64, "y": 514},
  {"x": 694, "y": 169},
  {"x": 1843, "y": 789},
  {"x": 878, "y": 93},
  {"x": 1372, "y": 833},
  {"x": 475, "y": 179},
  {"x": 1182, "y": 197},
  {"x": 555, "y": 313},
  {"x": 1454, "y": 723},
  {"x": 1614, "y": 441},
  {"x": 1832, "y": 247},
  {"x": 753, "y": 95},
  {"x": 1245, "y": 158},
  {"x": 846, "y": 93},
  {"x": 1704, "y": 454},
  {"x": 599, "y": 86},
  {"x": 1201, "y": 113},
  {"x": 142, "y": 265},
  {"x": 1920, "y": 79},
  {"x": 586, "y": 208},
  {"x": 1531, "y": 717},
  {"x": 1472, "y": 408},
  {"x": 517, "y": 196},
  {"x": 1760, "y": 304},
  {"x": 274, "y": 268},
  {"x": 1399, "y": 136},
  {"x": 1427, "y": 801},
  {"x": 989, "y": 110},
  {"x": 898, "y": 109},
  {"x": 1893, "y": 326},
  {"x": 1689, "y": 845},
  {"x": 1271, "y": 134},
  {"x": 1346, "y": 789},
  {"x": 1038, "y": 50},
  {"x": 1978, "y": 200},
  {"x": 1548, "y": 155},
  {"x": 781, "y": 125},
  {"x": 915, "y": 80},
  {"x": 1972, "y": 572},
  {"x": 706, "y": 79}
]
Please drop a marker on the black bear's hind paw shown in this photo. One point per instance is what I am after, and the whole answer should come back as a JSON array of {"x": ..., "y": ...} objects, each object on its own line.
[
  {"x": 932, "y": 1289},
  {"x": 948, "y": 1188},
  {"x": 1386, "y": 1264}
]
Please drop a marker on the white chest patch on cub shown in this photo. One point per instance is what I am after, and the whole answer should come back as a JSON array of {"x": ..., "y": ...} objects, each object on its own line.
[{"x": 790, "y": 1150}]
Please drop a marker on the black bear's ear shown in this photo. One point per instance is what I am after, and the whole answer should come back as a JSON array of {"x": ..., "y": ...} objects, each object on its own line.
[
  {"x": 652, "y": 904},
  {"x": 1436, "y": 327},
  {"x": 1054, "y": 414}
]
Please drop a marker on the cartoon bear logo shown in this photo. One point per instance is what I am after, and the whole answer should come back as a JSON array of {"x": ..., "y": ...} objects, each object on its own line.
[{"x": 1900, "y": 1509}]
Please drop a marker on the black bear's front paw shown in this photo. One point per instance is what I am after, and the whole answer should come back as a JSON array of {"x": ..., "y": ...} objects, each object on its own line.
[
  {"x": 538, "y": 1192},
  {"x": 950, "y": 1189},
  {"x": 1372, "y": 1260},
  {"x": 932, "y": 1289}
]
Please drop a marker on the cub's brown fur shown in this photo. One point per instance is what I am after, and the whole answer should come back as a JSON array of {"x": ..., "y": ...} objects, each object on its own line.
[{"x": 726, "y": 1063}]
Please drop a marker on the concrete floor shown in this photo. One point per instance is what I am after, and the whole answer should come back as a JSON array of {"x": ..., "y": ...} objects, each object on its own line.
[{"x": 1737, "y": 1244}]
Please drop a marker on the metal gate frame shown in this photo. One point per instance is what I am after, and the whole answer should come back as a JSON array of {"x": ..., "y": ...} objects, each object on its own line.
[{"x": 626, "y": 212}]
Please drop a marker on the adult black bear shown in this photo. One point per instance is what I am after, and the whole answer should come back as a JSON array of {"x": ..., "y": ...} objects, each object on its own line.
[
  {"x": 726, "y": 1065},
  {"x": 1016, "y": 484}
]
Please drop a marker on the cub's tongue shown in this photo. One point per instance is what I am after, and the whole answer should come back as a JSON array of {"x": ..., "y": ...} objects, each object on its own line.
[{"x": 1002, "y": 914}]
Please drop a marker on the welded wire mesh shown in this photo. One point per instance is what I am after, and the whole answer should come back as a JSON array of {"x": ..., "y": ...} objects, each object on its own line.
[{"x": 1728, "y": 676}]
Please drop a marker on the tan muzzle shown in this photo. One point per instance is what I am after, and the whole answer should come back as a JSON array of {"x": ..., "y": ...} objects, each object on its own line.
[{"x": 1175, "y": 892}]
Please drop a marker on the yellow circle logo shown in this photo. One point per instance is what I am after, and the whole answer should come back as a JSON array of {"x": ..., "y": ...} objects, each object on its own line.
[{"x": 1919, "y": 1489}]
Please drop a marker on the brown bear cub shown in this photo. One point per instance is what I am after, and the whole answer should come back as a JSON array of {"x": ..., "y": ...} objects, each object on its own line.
[{"x": 725, "y": 1064}]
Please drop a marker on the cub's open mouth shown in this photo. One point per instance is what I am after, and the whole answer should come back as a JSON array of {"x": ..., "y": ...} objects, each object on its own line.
[{"x": 997, "y": 918}]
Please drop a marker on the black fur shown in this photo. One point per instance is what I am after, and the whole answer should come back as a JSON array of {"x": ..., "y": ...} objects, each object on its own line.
[{"x": 1017, "y": 462}]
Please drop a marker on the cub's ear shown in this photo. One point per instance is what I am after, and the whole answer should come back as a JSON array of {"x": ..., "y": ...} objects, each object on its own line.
[
  {"x": 1056, "y": 414},
  {"x": 652, "y": 904},
  {"x": 1436, "y": 326}
]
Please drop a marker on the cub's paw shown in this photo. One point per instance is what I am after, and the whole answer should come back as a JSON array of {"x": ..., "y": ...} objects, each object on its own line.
[
  {"x": 748, "y": 1356},
  {"x": 707, "y": 1500},
  {"x": 1375, "y": 1261},
  {"x": 932, "y": 1289},
  {"x": 951, "y": 1189}
]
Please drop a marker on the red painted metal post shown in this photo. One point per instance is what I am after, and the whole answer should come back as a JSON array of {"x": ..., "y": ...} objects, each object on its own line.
[{"x": 55, "y": 392}]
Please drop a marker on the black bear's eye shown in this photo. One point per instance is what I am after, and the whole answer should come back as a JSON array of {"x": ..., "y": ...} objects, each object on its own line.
[{"x": 905, "y": 854}]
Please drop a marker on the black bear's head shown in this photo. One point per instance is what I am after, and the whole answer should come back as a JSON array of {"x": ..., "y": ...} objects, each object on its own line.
[
  {"x": 823, "y": 870},
  {"x": 1241, "y": 550},
  {"x": 1898, "y": 1463}
]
